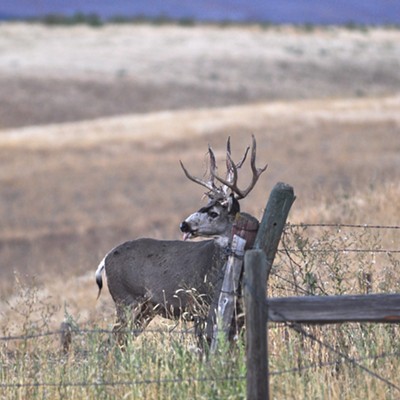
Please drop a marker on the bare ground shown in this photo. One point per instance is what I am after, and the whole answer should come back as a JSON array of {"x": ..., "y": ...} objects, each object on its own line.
[{"x": 71, "y": 191}]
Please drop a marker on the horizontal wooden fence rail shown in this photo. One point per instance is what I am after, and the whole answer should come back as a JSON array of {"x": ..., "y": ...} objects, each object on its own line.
[{"x": 335, "y": 309}]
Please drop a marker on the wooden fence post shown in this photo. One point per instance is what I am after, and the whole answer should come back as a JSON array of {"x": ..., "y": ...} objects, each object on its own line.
[
  {"x": 244, "y": 233},
  {"x": 274, "y": 219},
  {"x": 65, "y": 336},
  {"x": 255, "y": 262},
  {"x": 228, "y": 294},
  {"x": 257, "y": 269}
]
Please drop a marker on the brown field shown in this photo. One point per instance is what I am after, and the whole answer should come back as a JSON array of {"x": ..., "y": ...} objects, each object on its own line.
[{"x": 94, "y": 121}]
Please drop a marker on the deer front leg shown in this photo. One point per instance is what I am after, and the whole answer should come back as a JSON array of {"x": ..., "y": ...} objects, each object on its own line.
[{"x": 131, "y": 319}]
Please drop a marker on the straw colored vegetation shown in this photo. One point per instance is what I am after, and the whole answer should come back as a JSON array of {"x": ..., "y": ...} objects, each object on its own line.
[
  {"x": 164, "y": 361},
  {"x": 73, "y": 190}
]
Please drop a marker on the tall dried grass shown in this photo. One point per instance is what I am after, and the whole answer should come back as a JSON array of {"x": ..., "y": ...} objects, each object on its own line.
[{"x": 162, "y": 364}]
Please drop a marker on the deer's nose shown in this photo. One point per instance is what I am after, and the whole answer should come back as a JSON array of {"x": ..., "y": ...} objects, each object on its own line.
[{"x": 185, "y": 227}]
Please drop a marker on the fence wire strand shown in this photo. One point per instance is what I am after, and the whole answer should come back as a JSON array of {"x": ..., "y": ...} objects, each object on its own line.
[
  {"x": 345, "y": 250},
  {"x": 341, "y": 250},
  {"x": 133, "y": 332},
  {"x": 332, "y": 363},
  {"x": 294, "y": 326},
  {"x": 299, "y": 329},
  {"x": 119, "y": 383},
  {"x": 339, "y": 226}
]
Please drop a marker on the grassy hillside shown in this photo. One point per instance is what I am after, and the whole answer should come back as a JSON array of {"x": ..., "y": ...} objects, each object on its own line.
[
  {"x": 59, "y": 74},
  {"x": 71, "y": 192}
]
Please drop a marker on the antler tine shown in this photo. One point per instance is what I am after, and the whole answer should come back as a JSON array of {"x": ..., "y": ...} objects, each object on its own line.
[
  {"x": 210, "y": 185},
  {"x": 213, "y": 166},
  {"x": 231, "y": 175},
  {"x": 228, "y": 146},
  {"x": 194, "y": 179},
  {"x": 231, "y": 167},
  {"x": 229, "y": 163},
  {"x": 240, "y": 163},
  {"x": 256, "y": 173},
  {"x": 229, "y": 160}
]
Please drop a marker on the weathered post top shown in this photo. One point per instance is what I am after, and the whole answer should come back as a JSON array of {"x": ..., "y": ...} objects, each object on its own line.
[{"x": 274, "y": 219}]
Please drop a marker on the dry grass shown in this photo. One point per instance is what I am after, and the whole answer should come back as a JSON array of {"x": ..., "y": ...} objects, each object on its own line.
[{"x": 161, "y": 365}]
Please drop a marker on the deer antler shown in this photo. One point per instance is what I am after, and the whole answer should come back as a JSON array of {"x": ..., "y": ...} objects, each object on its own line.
[
  {"x": 230, "y": 165},
  {"x": 232, "y": 174},
  {"x": 230, "y": 182},
  {"x": 210, "y": 184}
]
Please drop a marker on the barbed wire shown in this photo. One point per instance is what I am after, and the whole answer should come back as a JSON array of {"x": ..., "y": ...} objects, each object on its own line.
[
  {"x": 299, "y": 329},
  {"x": 100, "y": 383},
  {"x": 334, "y": 363},
  {"x": 30, "y": 336},
  {"x": 344, "y": 250},
  {"x": 357, "y": 226},
  {"x": 343, "y": 358},
  {"x": 341, "y": 250},
  {"x": 121, "y": 383},
  {"x": 75, "y": 331}
]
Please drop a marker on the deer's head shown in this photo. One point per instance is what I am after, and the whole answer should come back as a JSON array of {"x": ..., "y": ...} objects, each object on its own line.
[{"x": 216, "y": 218}]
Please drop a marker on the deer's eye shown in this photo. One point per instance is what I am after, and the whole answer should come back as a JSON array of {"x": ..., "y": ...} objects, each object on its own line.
[{"x": 213, "y": 214}]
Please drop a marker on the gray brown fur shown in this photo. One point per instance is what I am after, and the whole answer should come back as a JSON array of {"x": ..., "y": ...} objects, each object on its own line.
[{"x": 148, "y": 273}]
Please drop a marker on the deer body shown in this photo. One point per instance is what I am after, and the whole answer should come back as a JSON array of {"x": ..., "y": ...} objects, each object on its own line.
[
  {"x": 153, "y": 276},
  {"x": 147, "y": 277}
]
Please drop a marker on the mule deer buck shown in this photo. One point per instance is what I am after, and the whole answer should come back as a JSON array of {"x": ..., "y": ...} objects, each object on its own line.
[{"x": 148, "y": 277}]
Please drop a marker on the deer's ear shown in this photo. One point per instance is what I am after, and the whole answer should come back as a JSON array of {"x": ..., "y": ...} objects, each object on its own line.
[{"x": 233, "y": 205}]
